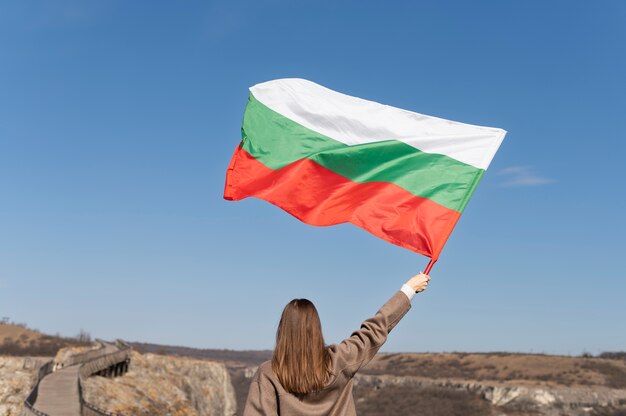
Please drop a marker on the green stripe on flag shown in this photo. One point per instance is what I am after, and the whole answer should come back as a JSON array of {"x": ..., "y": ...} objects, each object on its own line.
[{"x": 277, "y": 141}]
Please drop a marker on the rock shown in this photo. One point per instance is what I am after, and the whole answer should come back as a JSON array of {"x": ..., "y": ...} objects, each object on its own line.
[
  {"x": 65, "y": 354},
  {"x": 249, "y": 372},
  {"x": 16, "y": 377},
  {"x": 516, "y": 397},
  {"x": 165, "y": 385}
]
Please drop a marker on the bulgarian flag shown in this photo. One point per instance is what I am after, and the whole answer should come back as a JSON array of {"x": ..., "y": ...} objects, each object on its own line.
[{"x": 329, "y": 158}]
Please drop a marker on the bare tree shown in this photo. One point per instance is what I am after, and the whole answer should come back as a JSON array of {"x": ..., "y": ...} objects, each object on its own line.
[{"x": 83, "y": 336}]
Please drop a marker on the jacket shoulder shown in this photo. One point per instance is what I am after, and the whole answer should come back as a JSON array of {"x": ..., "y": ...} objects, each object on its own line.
[
  {"x": 265, "y": 367},
  {"x": 264, "y": 373}
]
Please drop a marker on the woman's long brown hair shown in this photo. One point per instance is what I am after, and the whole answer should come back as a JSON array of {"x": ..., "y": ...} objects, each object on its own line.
[{"x": 301, "y": 360}]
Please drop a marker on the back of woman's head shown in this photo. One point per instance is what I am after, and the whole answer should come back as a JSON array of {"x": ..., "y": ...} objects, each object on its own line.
[{"x": 300, "y": 360}]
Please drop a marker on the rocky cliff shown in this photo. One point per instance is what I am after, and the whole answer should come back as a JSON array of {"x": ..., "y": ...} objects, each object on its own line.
[
  {"x": 509, "y": 384},
  {"x": 16, "y": 378},
  {"x": 512, "y": 398},
  {"x": 160, "y": 385}
]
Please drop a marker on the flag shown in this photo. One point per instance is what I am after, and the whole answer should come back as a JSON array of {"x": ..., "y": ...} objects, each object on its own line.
[{"x": 329, "y": 158}]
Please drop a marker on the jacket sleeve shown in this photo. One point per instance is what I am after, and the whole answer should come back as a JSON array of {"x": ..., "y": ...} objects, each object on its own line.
[
  {"x": 261, "y": 401},
  {"x": 358, "y": 350}
]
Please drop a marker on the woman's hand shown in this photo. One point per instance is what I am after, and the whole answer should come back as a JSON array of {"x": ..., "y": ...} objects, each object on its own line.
[{"x": 419, "y": 282}]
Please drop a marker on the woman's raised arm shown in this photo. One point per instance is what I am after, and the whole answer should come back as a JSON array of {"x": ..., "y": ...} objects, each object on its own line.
[{"x": 356, "y": 351}]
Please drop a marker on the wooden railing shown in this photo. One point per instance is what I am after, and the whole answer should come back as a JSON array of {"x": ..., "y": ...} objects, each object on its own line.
[
  {"x": 96, "y": 365},
  {"x": 43, "y": 371},
  {"x": 89, "y": 409},
  {"x": 91, "y": 362},
  {"x": 84, "y": 357}
]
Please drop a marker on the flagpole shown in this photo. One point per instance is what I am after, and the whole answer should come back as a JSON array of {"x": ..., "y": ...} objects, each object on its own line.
[{"x": 431, "y": 263}]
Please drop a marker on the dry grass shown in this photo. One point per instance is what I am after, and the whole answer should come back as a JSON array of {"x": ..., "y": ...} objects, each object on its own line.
[
  {"x": 19, "y": 341},
  {"x": 555, "y": 370},
  {"x": 17, "y": 332},
  {"x": 402, "y": 400},
  {"x": 615, "y": 375},
  {"x": 228, "y": 356},
  {"x": 609, "y": 412}
]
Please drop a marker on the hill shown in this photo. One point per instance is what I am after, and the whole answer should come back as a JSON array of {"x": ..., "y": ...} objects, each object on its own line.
[
  {"x": 250, "y": 358},
  {"x": 17, "y": 333},
  {"x": 537, "y": 369},
  {"x": 18, "y": 340}
]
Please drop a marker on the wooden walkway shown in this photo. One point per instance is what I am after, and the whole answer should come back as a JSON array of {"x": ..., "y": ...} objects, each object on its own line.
[{"x": 58, "y": 393}]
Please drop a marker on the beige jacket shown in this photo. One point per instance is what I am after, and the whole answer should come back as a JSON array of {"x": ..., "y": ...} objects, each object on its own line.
[{"x": 267, "y": 397}]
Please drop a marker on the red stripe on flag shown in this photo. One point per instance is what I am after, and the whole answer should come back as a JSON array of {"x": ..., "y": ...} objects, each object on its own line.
[{"x": 318, "y": 196}]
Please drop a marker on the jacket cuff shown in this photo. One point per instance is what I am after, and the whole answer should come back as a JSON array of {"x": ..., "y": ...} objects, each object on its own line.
[{"x": 408, "y": 291}]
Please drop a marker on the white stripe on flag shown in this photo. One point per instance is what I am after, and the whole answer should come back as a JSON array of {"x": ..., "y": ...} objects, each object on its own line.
[{"x": 351, "y": 120}]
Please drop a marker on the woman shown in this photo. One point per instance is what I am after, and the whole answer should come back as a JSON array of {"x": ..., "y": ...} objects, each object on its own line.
[{"x": 306, "y": 377}]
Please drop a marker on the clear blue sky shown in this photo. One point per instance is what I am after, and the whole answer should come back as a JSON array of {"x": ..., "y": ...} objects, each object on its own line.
[{"x": 118, "y": 119}]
